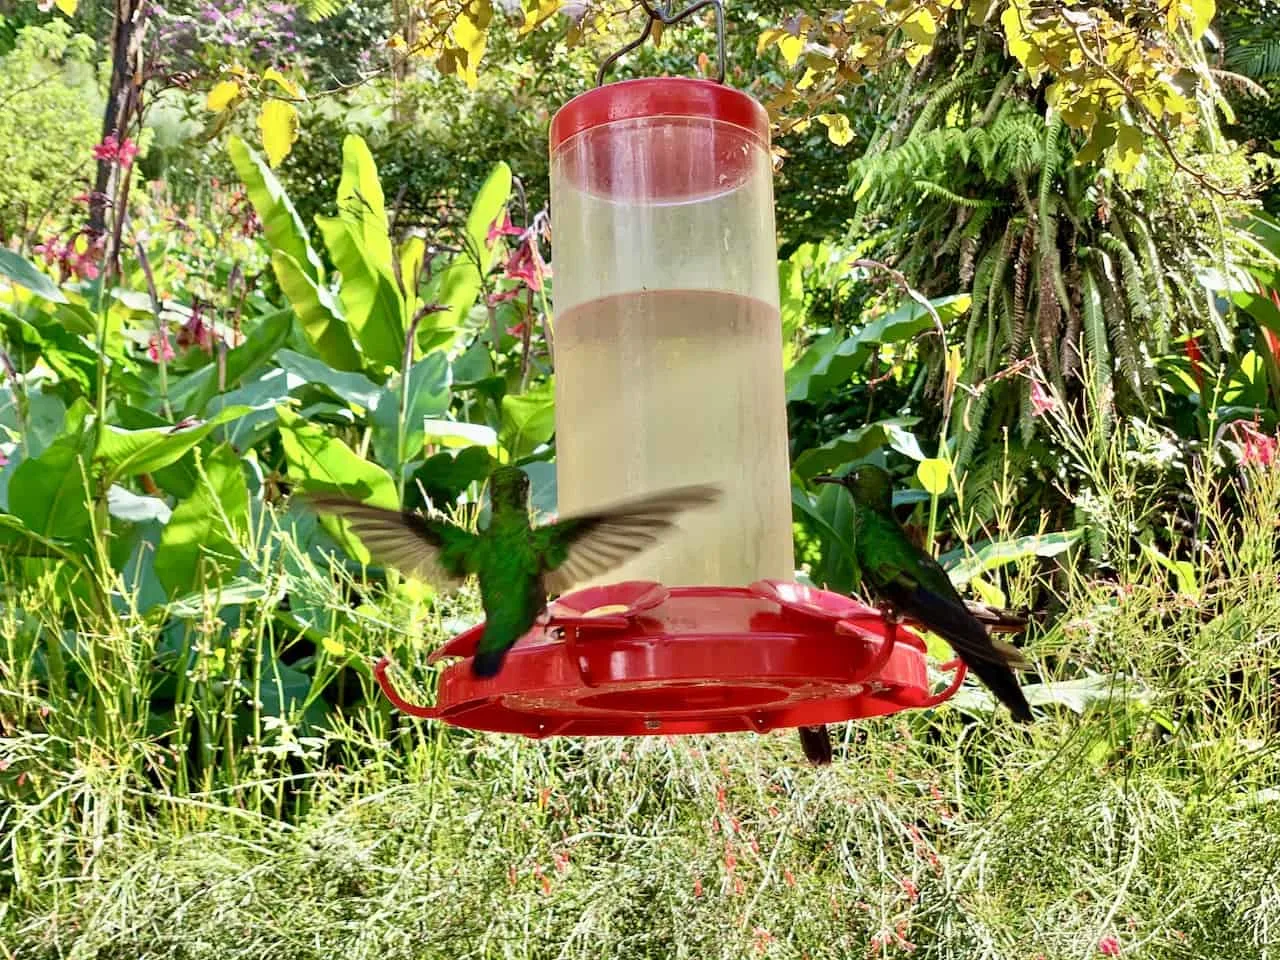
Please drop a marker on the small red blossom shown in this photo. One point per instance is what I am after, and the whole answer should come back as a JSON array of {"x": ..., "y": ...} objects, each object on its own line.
[
  {"x": 4, "y": 459},
  {"x": 511, "y": 875},
  {"x": 501, "y": 296},
  {"x": 1195, "y": 356},
  {"x": 697, "y": 886},
  {"x": 1041, "y": 400},
  {"x": 542, "y": 878},
  {"x": 763, "y": 939},
  {"x": 526, "y": 264},
  {"x": 1109, "y": 947},
  {"x": 113, "y": 150},
  {"x": 1258, "y": 448},
  {"x": 788, "y": 877},
  {"x": 4, "y": 764},
  {"x": 505, "y": 229},
  {"x": 910, "y": 889},
  {"x": 561, "y": 860},
  {"x": 159, "y": 347}
]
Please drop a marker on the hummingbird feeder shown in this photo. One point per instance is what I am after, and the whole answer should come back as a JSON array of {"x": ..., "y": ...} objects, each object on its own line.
[{"x": 668, "y": 359}]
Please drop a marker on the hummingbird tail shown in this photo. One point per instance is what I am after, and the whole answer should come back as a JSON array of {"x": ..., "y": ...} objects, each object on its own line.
[
  {"x": 1001, "y": 681},
  {"x": 816, "y": 743},
  {"x": 487, "y": 663}
]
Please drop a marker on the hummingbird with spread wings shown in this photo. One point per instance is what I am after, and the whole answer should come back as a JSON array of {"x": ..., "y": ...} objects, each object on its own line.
[
  {"x": 516, "y": 563},
  {"x": 913, "y": 583}
]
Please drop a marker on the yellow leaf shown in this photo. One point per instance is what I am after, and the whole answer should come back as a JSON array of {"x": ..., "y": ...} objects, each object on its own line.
[
  {"x": 807, "y": 80},
  {"x": 921, "y": 27},
  {"x": 283, "y": 82},
  {"x": 1202, "y": 12},
  {"x": 333, "y": 646},
  {"x": 1128, "y": 148},
  {"x": 791, "y": 47},
  {"x": 222, "y": 94},
  {"x": 67, "y": 6},
  {"x": 278, "y": 122},
  {"x": 864, "y": 186},
  {"x": 471, "y": 40},
  {"x": 768, "y": 38},
  {"x": 838, "y": 129},
  {"x": 536, "y": 13},
  {"x": 933, "y": 474},
  {"x": 989, "y": 592}
]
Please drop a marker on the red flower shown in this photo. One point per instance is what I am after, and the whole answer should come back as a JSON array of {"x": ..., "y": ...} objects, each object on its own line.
[
  {"x": 116, "y": 151},
  {"x": 107, "y": 149},
  {"x": 501, "y": 296},
  {"x": 1109, "y": 947},
  {"x": 1041, "y": 400},
  {"x": 526, "y": 264},
  {"x": 505, "y": 229},
  {"x": 1257, "y": 447},
  {"x": 1196, "y": 356},
  {"x": 158, "y": 346},
  {"x": 697, "y": 886}
]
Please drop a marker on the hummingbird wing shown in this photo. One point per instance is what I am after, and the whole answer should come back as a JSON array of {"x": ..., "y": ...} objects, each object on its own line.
[
  {"x": 427, "y": 548},
  {"x": 577, "y": 548}
]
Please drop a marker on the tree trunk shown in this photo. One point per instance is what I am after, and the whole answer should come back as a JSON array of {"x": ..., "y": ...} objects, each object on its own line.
[{"x": 123, "y": 100}]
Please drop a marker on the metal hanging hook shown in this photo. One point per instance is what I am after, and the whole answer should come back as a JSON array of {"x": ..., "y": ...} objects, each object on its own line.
[{"x": 661, "y": 13}]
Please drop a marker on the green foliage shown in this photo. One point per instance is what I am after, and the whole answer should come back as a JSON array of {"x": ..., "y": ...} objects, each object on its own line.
[{"x": 50, "y": 118}]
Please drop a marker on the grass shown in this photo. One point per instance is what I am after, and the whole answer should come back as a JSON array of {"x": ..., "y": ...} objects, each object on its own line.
[{"x": 1144, "y": 806}]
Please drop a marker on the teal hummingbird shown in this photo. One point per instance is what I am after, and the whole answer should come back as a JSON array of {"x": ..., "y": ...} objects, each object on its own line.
[
  {"x": 910, "y": 581},
  {"x": 517, "y": 564}
]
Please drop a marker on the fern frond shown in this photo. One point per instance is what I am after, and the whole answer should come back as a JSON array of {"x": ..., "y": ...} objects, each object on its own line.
[
  {"x": 1020, "y": 269},
  {"x": 969, "y": 426},
  {"x": 1098, "y": 352},
  {"x": 320, "y": 9},
  {"x": 944, "y": 95},
  {"x": 1259, "y": 58},
  {"x": 1153, "y": 272}
]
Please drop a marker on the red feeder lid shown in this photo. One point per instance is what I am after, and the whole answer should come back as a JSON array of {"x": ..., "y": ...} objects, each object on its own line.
[
  {"x": 703, "y": 139},
  {"x": 638, "y": 658},
  {"x": 658, "y": 97}
]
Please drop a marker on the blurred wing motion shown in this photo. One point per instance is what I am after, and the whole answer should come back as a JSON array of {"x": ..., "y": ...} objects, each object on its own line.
[
  {"x": 575, "y": 549},
  {"x": 426, "y": 548}
]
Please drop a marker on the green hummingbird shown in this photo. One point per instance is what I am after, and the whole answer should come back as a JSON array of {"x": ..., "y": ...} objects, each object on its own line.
[
  {"x": 516, "y": 563},
  {"x": 913, "y": 583}
]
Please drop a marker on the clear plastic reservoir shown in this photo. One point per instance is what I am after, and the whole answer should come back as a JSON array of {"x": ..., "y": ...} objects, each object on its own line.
[{"x": 668, "y": 353}]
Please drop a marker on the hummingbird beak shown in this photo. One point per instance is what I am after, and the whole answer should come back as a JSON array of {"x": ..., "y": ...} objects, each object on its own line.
[{"x": 827, "y": 478}]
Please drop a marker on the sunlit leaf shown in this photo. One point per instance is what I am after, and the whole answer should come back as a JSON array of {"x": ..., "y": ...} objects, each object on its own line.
[
  {"x": 934, "y": 476},
  {"x": 198, "y": 550},
  {"x": 222, "y": 95},
  {"x": 27, "y": 275},
  {"x": 278, "y": 122}
]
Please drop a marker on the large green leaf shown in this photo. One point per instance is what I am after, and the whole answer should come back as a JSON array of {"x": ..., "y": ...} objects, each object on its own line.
[
  {"x": 355, "y": 388},
  {"x": 830, "y": 515},
  {"x": 198, "y": 548},
  {"x": 280, "y": 221},
  {"x": 361, "y": 203},
  {"x": 428, "y": 396},
  {"x": 50, "y": 493},
  {"x": 991, "y": 556},
  {"x": 318, "y": 461},
  {"x": 25, "y": 274},
  {"x": 371, "y": 301},
  {"x": 127, "y": 453},
  {"x": 856, "y": 444},
  {"x": 832, "y": 360},
  {"x": 459, "y": 282},
  {"x": 528, "y": 419},
  {"x": 319, "y": 312},
  {"x": 443, "y": 477}
]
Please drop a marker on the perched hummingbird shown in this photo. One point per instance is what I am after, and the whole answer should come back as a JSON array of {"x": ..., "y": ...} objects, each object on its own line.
[
  {"x": 912, "y": 582},
  {"x": 516, "y": 563}
]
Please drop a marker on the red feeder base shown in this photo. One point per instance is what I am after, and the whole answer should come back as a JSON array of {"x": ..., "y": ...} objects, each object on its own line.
[{"x": 638, "y": 658}]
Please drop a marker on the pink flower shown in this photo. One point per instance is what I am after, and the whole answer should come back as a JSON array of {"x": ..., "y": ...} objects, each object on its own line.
[
  {"x": 116, "y": 151},
  {"x": 501, "y": 296},
  {"x": 4, "y": 460},
  {"x": 1258, "y": 448},
  {"x": 1109, "y": 947},
  {"x": 107, "y": 149},
  {"x": 526, "y": 264},
  {"x": 195, "y": 332},
  {"x": 505, "y": 229},
  {"x": 158, "y": 346},
  {"x": 1041, "y": 401}
]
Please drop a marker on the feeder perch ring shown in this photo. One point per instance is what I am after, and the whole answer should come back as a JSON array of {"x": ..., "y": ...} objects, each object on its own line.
[{"x": 638, "y": 658}]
